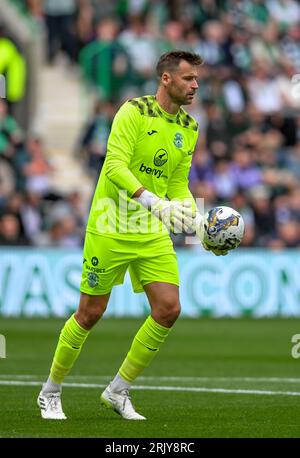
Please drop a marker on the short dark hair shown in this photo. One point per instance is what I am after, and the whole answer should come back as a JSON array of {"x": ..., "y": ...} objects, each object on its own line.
[{"x": 169, "y": 61}]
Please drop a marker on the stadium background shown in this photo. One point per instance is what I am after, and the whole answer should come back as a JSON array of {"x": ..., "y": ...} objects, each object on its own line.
[
  {"x": 68, "y": 66},
  {"x": 77, "y": 61}
]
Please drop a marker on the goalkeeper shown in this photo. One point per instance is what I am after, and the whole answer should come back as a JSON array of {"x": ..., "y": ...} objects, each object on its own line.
[{"x": 149, "y": 155}]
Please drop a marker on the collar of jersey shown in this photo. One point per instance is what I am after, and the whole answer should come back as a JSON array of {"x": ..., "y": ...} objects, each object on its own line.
[{"x": 172, "y": 117}]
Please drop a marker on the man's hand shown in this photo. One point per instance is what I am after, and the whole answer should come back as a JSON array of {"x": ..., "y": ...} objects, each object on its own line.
[
  {"x": 177, "y": 216},
  {"x": 215, "y": 251}
]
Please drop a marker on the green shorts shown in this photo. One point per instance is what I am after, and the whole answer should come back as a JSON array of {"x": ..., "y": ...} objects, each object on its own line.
[{"x": 106, "y": 260}]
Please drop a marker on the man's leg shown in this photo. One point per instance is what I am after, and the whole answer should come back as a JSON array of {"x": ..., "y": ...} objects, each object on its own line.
[
  {"x": 71, "y": 340},
  {"x": 165, "y": 309}
]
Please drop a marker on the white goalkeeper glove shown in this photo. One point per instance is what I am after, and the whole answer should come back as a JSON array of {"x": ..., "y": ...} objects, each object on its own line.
[
  {"x": 199, "y": 229},
  {"x": 177, "y": 216}
]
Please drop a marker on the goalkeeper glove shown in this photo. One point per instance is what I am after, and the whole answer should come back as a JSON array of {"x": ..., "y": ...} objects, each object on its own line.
[
  {"x": 214, "y": 250},
  {"x": 199, "y": 229},
  {"x": 177, "y": 216}
]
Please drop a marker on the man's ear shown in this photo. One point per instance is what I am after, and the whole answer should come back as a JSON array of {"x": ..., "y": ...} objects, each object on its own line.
[{"x": 165, "y": 78}]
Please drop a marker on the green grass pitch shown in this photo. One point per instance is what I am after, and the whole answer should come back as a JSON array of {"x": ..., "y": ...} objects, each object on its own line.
[{"x": 212, "y": 378}]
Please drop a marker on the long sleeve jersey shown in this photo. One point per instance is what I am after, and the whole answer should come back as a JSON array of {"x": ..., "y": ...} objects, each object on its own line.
[{"x": 149, "y": 148}]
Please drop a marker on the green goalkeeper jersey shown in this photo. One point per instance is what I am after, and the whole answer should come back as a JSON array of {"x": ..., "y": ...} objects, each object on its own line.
[{"x": 149, "y": 148}]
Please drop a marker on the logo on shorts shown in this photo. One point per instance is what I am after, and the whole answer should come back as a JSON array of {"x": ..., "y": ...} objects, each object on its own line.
[
  {"x": 95, "y": 261},
  {"x": 160, "y": 158},
  {"x": 178, "y": 140},
  {"x": 93, "y": 279}
]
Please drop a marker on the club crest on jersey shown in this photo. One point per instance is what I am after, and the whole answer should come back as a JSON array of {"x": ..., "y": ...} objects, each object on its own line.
[
  {"x": 93, "y": 279},
  {"x": 178, "y": 140},
  {"x": 160, "y": 158}
]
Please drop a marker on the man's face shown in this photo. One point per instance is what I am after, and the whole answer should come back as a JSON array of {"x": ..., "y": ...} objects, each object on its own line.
[{"x": 182, "y": 84}]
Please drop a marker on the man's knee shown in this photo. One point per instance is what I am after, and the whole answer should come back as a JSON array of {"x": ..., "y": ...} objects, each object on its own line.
[
  {"x": 90, "y": 310},
  {"x": 168, "y": 311},
  {"x": 87, "y": 319}
]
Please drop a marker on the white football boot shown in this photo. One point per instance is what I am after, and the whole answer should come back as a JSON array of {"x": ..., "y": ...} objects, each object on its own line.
[
  {"x": 120, "y": 403},
  {"x": 50, "y": 405}
]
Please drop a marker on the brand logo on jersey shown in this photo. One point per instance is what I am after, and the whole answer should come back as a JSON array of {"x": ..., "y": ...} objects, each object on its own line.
[
  {"x": 93, "y": 269},
  {"x": 152, "y": 349},
  {"x": 151, "y": 132},
  {"x": 95, "y": 261},
  {"x": 150, "y": 171},
  {"x": 178, "y": 140},
  {"x": 160, "y": 158}
]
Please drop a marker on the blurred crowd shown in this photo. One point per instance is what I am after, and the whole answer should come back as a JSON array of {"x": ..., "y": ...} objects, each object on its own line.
[
  {"x": 30, "y": 212},
  {"x": 248, "y": 109}
]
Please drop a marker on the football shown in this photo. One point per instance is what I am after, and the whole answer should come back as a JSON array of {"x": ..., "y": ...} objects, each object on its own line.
[{"x": 223, "y": 228}]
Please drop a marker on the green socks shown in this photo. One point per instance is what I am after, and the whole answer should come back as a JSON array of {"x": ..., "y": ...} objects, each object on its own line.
[
  {"x": 68, "y": 348},
  {"x": 144, "y": 347}
]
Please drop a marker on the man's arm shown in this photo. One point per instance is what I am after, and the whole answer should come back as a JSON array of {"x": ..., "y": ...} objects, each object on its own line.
[{"x": 120, "y": 147}]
